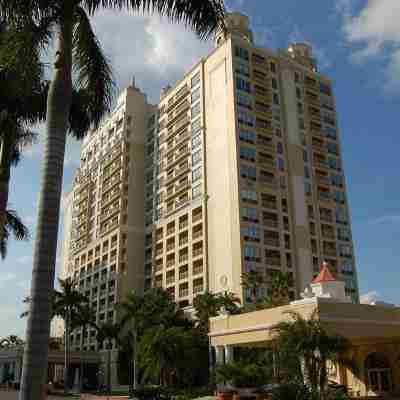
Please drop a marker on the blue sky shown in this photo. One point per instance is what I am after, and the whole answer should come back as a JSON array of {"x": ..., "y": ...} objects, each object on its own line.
[{"x": 357, "y": 44}]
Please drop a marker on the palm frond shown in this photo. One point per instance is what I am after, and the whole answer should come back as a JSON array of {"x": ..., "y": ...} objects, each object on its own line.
[
  {"x": 16, "y": 226},
  {"x": 93, "y": 71},
  {"x": 203, "y": 16},
  {"x": 13, "y": 226}
]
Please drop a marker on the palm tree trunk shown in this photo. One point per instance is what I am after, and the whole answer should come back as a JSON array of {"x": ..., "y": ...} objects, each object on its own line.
[
  {"x": 38, "y": 327},
  {"x": 66, "y": 350},
  {"x": 5, "y": 167}
]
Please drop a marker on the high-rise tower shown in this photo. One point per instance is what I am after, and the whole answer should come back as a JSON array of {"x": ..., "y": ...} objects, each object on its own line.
[{"x": 238, "y": 168}]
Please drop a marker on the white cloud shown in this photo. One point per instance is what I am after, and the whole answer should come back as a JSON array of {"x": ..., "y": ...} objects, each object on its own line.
[
  {"x": 369, "y": 297},
  {"x": 154, "y": 50},
  {"x": 321, "y": 55},
  {"x": 374, "y": 30}
]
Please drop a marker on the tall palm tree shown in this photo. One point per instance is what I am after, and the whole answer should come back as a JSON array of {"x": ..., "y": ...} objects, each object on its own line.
[
  {"x": 253, "y": 280},
  {"x": 311, "y": 345},
  {"x": 78, "y": 49},
  {"x": 13, "y": 226},
  {"x": 106, "y": 333},
  {"x": 130, "y": 308}
]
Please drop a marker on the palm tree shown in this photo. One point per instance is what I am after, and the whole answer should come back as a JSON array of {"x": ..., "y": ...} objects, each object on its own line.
[
  {"x": 312, "y": 347},
  {"x": 130, "y": 308},
  {"x": 108, "y": 332},
  {"x": 253, "y": 280},
  {"x": 22, "y": 100},
  {"x": 77, "y": 49},
  {"x": 280, "y": 285},
  {"x": 206, "y": 306},
  {"x": 161, "y": 350},
  {"x": 13, "y": 226},
  {"x": 85, "y": 318},
  {"x": 70, "y": 305},
  {"x": 230, "y": 302}
]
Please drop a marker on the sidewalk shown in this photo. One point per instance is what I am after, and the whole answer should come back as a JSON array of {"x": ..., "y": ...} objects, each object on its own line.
[{"x": 13, "y": 395}]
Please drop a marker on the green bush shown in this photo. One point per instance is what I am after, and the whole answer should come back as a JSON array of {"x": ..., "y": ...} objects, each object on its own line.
[{"x": 242, "y": 374}]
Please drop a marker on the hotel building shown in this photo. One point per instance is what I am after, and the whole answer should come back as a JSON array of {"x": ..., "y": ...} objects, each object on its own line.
[{"x": 237, "y": 168}]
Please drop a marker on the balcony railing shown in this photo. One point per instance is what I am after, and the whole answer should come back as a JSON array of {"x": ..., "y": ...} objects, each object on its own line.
[
  {"x": 197, "y": 234},
  {"x": 183, "y": 292},
  {"x": 272, "y": 223},
  {"x": 183, "y": 275},
  {"x": 272, "y": 242},
  {"x": 183, "y": 258},
  {"x": 197, "y": 217},
  {"x": 273, "y": 261},
  {"x": 197, "y": 252},
  {"x": 198, "y": 270}
]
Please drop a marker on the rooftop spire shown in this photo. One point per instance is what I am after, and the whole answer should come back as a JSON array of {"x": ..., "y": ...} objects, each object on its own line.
[{"x": 325, "y": 275}]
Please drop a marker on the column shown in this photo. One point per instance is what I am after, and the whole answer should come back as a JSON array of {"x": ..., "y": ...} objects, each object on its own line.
[
  {"x": 219, "y": 355},
  {"x": 228, "y": 353}
]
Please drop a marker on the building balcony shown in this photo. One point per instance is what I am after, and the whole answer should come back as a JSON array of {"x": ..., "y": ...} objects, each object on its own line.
[
  {"x": 330, "y": 252},
  {"x": 198, "y": 270},
  {"x": 170, "y": 263},
  {"x": 319, "y": 147},
  {"x": 274, "y": 261},
  {"x": 324, "y": 180},
  {"x": 171, "y": 247},
  {"x": 271, "y": 223},
  {"x": 184, "y": 241},
  {"x": 197, "y": 235},
  {"x": 184, "y": 292},
  {"x": 198, "y": 289},
  {"x": 183, "y": 258},
  {"x": 269, "y": 181},
  {"x": 170, "y": 280},
  {"x": 183, "y": 275},
  {"x": 197, "y": 218},
  {"x": 272, "y": 242},
  {"x": 266, "y": 162},
  {"x": 328, "y": 235},
  {"x": 197, "y": 252},
  {"x": 266, "y": 145}
]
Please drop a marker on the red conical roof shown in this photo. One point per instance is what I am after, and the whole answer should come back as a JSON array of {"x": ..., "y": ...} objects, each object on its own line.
[{"x": 325, "y": 275}]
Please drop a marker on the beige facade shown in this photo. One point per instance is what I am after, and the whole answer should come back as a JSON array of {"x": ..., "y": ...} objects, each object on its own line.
[
  {"x": 237, "y": 168},
  {"x": 104, "y": 235},
  {"x": 370, "y": 366},
  {"x": 250, "y": 138}
]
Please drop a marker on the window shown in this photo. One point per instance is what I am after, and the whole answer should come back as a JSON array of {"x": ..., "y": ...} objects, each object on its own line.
[
  {"x": 196, "y": 158},
  {"x": 333, "y": 163},
  {"x": 306, "y": 172},
  {"x": 300, "y": 108},
  {"x": 341, "y": 216},
  {"x": 243, "y": 85},
  {"x": 195, "y": 79},
  {"x": 196, "y": 126},
  {"x": 337, "y": 180},
  {"x": 241, "y": 53},
  {"x": 262, "y": 123},
  {"x": 347, "y": 267},
  {"x": 330, "y": 132},
  {"x": 244, "y": 101},
  {"x": 345, "y": 250},
  {"x": 245, "y": 119},
  {"x": 249, "y": 195},
  {"x": 251, "y": 232},
  {"x": 273, "y": 67},
  {"x": 274, "y": 83},
  {"x": 343, "y": 233},
  {"x": 281, "y": 164},
  {"x": 339, "y": 196},
  {"x": 196, "y": 142},
  {"x": 247, "y": 153},
  {"x": 296, "y": 77},
  {"x": 275, "y": 98},
  {"x": 298, "y": 93},
  {"x": 305, "y": 156},
  {"x": 301, "y": 123},
  {"x": 242, "y": 69},
  {"x": 196, "y": 192},
  {"x": 332, "y": 148},
  {"x": 195, "y": 95},
  {"x": 279, "y": 148},
  {"x": 261, "y": 107},
  {"x": 196, "y": 174},
  {"x": 251, "y": 252},
  {"x": 249, "y": 214},
  {"x": 249, "y": 172},
  {"x": 247, "y": 136},
  {"x": 307, "y": 187},
  {"x": 196, "y": 110}
]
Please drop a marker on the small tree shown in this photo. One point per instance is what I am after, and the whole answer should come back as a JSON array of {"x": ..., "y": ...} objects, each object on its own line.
[
  {"x": 253, "y": 280},
  {"x": 305, "y": 348}
]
